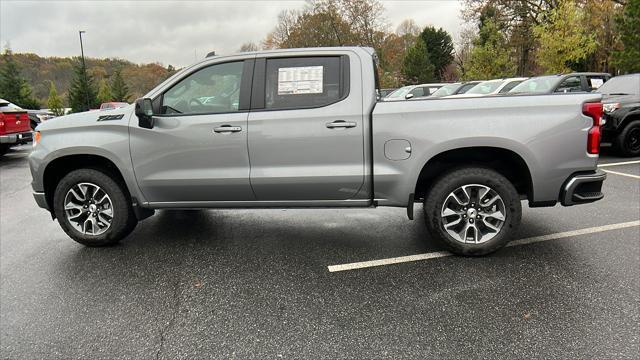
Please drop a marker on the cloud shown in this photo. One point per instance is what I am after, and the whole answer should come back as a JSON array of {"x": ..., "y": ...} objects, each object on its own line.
[{"x": 169, "y": 32}]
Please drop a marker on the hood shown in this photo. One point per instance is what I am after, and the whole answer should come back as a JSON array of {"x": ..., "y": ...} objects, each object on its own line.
[
  {"x": 87, "y": 118},
  {"x": 620, "y": 98}
]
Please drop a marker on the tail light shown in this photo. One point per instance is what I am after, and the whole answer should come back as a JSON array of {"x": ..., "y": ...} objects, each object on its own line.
[{"x": 594, "y": 111}]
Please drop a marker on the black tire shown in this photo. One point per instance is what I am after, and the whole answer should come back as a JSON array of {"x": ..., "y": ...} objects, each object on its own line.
[
  {"x": 445, "y": 185},
  {"x": 124, "y": 219},
  {"x": 628, "y": 141},
  {"x": 4, "y": 149}
]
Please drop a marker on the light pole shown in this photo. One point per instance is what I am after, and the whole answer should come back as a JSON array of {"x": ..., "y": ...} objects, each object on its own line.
[{"x": 84, "y": 71}]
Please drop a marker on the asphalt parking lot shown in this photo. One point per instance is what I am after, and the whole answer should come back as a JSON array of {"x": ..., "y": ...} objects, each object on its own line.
[{"x": 257, "y": 284}]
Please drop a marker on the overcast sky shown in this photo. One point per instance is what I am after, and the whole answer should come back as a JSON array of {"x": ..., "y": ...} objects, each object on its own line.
[{"x": 171, "y": 32}]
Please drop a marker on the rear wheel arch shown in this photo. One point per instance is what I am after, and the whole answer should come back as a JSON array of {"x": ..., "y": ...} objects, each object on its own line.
[{"x": 506, "y": 162}]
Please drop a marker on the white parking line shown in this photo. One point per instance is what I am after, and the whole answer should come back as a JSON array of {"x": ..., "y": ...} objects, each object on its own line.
[
  {"x": 620, "y": 163},
  {"x": 440, "y": 254},
  {"x": 622, "y": 174}
]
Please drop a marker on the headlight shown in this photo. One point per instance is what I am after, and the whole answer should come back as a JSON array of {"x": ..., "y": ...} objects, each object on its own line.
[{"x": 609, "y": 108}]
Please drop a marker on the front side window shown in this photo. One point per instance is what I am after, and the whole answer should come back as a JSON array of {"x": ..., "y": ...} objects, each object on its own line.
[
  {"x": 419, "y": 91},
  {"x": 303, "y": 82},
  {"x": 510, "y": 86},
  {"x": 214, "y": 89},
  {"x": 570, "y": 84}
]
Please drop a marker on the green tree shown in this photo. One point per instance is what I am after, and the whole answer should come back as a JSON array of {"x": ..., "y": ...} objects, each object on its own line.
[
  {"x": 439, "y": 48},
  {"x": 82, "y": 93},
  {"x": 13, "y": 87},
  {"x": 628, "y": 59},
  {"x": 490, "y": 59},
  {"x": 54, "y": 102},
  {"x": 119, "y": 89},
  {"x": 416, "y": 67},
  {"x": 104, "y": 92},
  {"x": 564, "y": 40}
]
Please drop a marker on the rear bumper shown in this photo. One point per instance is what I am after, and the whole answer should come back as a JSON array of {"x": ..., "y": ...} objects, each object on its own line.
[
  {"x": 16, "y": 138},
  {"x": 583, "y": 188}
]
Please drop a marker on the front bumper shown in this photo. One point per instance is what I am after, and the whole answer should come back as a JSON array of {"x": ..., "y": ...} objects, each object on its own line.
[
  {"x": 41, "y": 200},
  {"x": 583, "y": 188},
  {"x": 16, "y": 138}
]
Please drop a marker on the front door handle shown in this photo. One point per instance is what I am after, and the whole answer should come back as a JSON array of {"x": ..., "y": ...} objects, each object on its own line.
[
  {"x": 226, "y": 129},
  {"x": 341, "y": 124}
]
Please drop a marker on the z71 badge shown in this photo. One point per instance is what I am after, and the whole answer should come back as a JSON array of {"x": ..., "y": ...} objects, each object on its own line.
[{"x": 110, "y": 117}]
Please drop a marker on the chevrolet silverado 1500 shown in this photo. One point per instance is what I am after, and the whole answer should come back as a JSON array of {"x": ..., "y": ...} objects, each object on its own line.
[{"x": 305, "y": 128}]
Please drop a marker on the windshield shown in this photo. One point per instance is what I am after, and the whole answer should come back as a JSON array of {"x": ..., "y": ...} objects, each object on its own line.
[
  {"x": 484, "y": 88},
  {"x": 536, "y": 85},
  {"x": 400, "y": 93},
  {"x": 446, "y": 90},
  {"x": 629, "y": 84}
]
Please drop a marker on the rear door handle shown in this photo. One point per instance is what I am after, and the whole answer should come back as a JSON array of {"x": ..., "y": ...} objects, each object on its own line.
[
  {"x": 226, "y": 129},
  {"x": 338, "y": 124}
]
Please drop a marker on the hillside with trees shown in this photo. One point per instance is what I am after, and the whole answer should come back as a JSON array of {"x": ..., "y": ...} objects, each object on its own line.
[{"x": 38, "y": 73}]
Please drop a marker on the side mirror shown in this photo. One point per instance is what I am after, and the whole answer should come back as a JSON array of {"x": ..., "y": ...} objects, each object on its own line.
[
  {"x": 408, "y": 96},
  {"x": 144, "y": 112}
]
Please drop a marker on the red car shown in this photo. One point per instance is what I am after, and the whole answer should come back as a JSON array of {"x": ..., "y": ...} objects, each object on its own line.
[
  {"x": 15, "y": 127},
  {"x": 112, "y": 105}
]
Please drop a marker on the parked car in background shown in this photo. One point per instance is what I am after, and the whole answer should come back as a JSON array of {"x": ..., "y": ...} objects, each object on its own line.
[
  {"x": 38, "y": 116},
  {"x": 317, "y": 138},
  {"x": 574, "y": 82},
  {"x": 621, "y": 98},
  {"x": 411, "y": 91},
  {"x": 113, "y": 105},
  {"x": 455, "y": 88},
  {"x": 15, "y": 127},
  {"x": 385, "y": 92},
  {"x": 491, "y": 87}
]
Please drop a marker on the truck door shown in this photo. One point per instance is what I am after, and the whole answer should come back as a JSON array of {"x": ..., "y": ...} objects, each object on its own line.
[
  {"x": 197, "y": 149},
  {"x": 306, "y": 139}
]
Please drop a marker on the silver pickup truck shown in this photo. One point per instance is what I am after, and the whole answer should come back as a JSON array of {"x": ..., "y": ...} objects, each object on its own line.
[{"x": 305, "y": 128}]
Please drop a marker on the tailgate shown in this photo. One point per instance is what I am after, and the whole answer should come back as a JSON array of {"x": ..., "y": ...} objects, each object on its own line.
[{"x": 14, "y": 122}]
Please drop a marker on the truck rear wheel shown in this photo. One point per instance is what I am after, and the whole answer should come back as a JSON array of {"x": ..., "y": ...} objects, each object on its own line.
[
  {"x": 92, "y": 208},
  {"x": 473, "y": 211}
]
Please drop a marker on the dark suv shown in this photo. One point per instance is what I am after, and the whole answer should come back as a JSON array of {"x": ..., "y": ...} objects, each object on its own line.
[
  {"x": 621, "y": 99},
  {"x": 563, "y": 83}
]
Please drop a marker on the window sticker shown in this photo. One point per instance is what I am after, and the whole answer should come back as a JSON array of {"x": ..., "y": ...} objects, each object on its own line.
[
  {"x": 596, "y": 83},
  {"x": 300, "y": 80}
]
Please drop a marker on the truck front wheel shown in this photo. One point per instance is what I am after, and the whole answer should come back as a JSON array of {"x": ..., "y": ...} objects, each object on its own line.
[
  {"x": 92, "y": 208},
  {"x": 473, "y": 211},
  {"x": 628, "y": 141}
]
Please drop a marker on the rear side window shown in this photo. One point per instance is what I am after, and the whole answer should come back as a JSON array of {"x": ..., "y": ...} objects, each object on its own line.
[
  {"x": 594, "y": 82},
  {"x": 305, "y": 82}
]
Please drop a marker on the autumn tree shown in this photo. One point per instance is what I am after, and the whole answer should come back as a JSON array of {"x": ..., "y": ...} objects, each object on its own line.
[
  {"x": 488, "y": 58},
  {"x": 82, "y": 93},
  {"x": 417, "y": 68},
  {"x": 104, "y": 92},
  {"x": 13, "y": 87},
  {"x": 563, "y": 39},
  {"x": 439, "y": 48},
  {"x": 54, "y": 102},
  {"x": 628, "y": 59},
  {"x": 119, "y": 89}
]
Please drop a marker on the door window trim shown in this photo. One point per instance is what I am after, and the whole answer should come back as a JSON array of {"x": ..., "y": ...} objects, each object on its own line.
[
  {"x": 245, "y": 90},
  {"x": 259, "y": 89}
]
